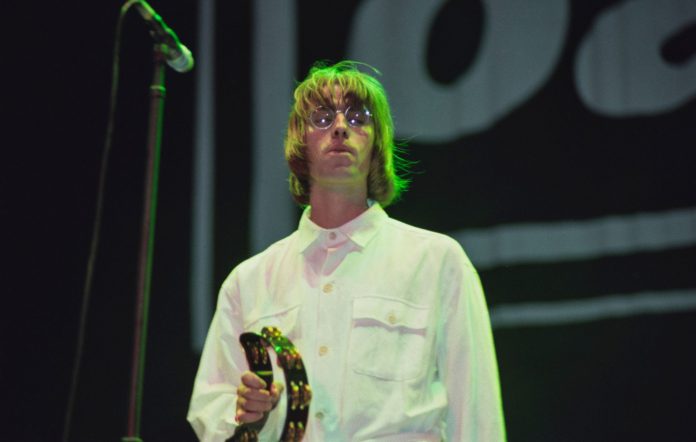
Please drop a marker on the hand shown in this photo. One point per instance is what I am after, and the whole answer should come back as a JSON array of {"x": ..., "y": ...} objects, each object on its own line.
[{"x": 254, "y": 399}]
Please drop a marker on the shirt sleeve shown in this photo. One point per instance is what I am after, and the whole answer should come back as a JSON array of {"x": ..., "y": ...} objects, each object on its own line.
[
  {"x": 466, "y": 356},
  {"x": 213, "y": 402}
]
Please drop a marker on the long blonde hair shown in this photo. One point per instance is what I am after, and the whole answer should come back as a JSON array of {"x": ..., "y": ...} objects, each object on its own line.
[{"x": 384, "y": 182}]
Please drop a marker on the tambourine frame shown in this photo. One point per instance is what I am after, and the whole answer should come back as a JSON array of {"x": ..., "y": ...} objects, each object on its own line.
[{"x": 298, "y": 391}]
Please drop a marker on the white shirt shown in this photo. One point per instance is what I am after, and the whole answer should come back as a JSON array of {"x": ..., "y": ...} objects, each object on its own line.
[{"x": 390, "y": 321}]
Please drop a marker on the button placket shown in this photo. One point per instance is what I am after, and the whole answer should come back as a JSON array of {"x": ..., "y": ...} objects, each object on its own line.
[{"x": 328, "y": 350}]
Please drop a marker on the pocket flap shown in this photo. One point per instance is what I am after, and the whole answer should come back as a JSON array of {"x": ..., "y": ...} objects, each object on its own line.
[
  {"x": 391, "y": 312},
  {"x": 284, "y": 318}
]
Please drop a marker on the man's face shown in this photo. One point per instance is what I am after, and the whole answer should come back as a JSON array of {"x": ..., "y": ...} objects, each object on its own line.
[{"x": 340, "y": 154}]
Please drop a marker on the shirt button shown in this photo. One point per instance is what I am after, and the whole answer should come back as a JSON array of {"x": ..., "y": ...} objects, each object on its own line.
[
  {"x": 319, "y": 415},
  {"x": 332, "y": 235},
  {"x": 328, "y": 288},
  {"x": 323, "y": 350},
  {"x": 391, "y": 318}
]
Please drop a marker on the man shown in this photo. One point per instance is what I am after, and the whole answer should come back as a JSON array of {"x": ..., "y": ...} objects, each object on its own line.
[{"x": 390, "y": 320}]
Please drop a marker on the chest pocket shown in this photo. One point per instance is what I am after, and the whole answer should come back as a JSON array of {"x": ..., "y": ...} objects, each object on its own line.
[
  {"x": 388, "y": 339},
  {"x": 286, "y": 319}
]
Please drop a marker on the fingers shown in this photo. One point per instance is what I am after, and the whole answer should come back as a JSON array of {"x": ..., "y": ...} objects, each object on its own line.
[
  {"x": 252, "y": 380},
  {"x": 247, "y": 417},
  {"x": 276, "y": 391},
  {"x": 253, "y": 400}
]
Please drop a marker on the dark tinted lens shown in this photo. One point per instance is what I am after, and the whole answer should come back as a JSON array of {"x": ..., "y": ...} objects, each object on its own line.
[
  {"x": 359, "y": 117},
  {"x": 322, "y": 117}
]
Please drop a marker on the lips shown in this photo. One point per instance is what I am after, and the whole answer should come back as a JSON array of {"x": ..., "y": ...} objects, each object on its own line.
[{"x": 340, "y": 148}]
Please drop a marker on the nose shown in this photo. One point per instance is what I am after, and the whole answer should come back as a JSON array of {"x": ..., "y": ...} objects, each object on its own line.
[{"x": 340, "y": 126}]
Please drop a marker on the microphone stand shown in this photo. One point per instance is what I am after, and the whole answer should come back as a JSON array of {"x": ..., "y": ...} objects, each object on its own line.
[{"x": 154, "y": 141}]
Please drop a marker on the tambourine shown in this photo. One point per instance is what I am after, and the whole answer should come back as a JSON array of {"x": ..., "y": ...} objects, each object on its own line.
[{"x": 297, "y": 387}]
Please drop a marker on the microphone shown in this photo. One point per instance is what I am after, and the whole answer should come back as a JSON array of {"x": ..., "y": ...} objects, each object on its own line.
[{"x": 178, "y": 56}]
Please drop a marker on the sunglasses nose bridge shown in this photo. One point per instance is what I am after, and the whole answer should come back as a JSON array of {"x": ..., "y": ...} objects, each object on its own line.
[{"x": 340, "y": 116}]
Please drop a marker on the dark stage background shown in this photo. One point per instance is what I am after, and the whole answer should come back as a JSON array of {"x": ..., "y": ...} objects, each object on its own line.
[{"x": 565, "y": 167}]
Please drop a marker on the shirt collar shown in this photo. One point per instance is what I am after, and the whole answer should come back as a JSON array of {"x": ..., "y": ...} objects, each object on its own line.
[{"x": 360, "y": 230}]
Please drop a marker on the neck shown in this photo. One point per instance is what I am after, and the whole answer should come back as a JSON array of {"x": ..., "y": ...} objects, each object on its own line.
[{"x": 331, "y": 208}]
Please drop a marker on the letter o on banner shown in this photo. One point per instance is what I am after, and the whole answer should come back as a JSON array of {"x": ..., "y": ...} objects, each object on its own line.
[{"x": 520, "y": 46}]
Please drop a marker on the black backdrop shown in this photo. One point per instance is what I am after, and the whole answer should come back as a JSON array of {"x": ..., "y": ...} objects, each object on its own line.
[{"x": 624, "y": 379}]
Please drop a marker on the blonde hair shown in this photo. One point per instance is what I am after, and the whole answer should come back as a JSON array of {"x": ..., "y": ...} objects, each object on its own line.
[{"x": 384, "y": 183}]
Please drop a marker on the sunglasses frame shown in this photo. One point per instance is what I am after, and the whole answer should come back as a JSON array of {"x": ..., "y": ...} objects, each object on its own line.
[{"x": 345, "y": 112}]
